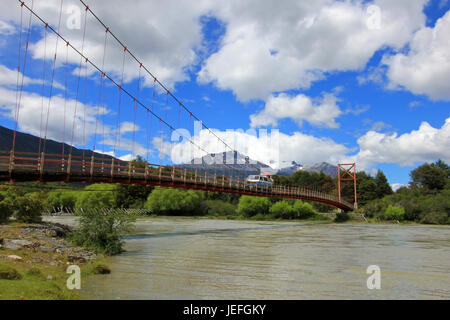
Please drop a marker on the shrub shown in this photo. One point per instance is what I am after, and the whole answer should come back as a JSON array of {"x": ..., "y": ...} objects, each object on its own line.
[
  {"x": 102, "y": 269},
  {"x": 393, "y": 213},
  {"x": 283, "y": 209},
  {"x": 29, "y": 208},
  {"x": 174, "y": 201},
  {"x": 97, "y": 196},
  {"x": 304, "y": 210},
  {"x": 250, "y": 206},
  {"x": 9, "y": 273},
  {"x": 101, "y": 230},
  {"x": 6, "y": 209},
  {"x": 219, "y": 208},
  {"x": 342, "y": 217},
  {"x": 61, "y": 199}
]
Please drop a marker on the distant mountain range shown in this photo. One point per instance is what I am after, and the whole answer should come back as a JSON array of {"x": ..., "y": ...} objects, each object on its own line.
[
  {"x": 28, "y": 143},
  {"x": 246, "y": 166},
  {"x": 223, "y": 161}
]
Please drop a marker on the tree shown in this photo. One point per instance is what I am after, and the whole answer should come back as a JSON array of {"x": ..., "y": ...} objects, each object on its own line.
[
  {"x": 97, "y": 196},
  {"x": 430, "y": 177},
  {"x": 131, "y": 196},
  {"x": 167, "y": 201},
  {"x": 250, "y": 206},
  {"x": 28, "y": 208},
  {"x": 61, "y": 199},
  {"x": 383, "y": 188},
  {"x": 101, "y": 230},
  {"x": 282, "y": 209}
]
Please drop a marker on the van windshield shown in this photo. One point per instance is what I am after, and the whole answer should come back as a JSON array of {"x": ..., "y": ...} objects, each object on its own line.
[{"x": 253, "y": 177}]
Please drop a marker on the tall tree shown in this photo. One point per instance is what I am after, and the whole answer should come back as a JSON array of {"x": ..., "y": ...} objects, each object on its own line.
[
  {"x": 383, "y": 188},
  {"x": 429, "y": 176}
]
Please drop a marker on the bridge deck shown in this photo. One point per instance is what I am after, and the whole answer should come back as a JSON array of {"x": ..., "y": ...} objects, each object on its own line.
[{"x": 56, "y": 167}]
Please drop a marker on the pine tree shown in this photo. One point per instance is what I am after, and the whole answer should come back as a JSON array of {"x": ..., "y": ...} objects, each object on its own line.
[{"x": 383, "y": 188}]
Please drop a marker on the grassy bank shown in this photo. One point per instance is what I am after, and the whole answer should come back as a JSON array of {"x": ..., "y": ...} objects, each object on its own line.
[{"x": 37, "y": 271}]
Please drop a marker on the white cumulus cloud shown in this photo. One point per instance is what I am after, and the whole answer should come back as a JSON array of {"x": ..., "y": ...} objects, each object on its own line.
[
  {"x": 425, "y": 69},
  {"x": 320, "y": 112},
  {"x": 424, "y": 144},
  {"x": 272, "y": 46}
]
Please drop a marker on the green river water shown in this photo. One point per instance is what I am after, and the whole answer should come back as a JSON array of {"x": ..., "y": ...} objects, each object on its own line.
[{"x": 184, "y": 258}]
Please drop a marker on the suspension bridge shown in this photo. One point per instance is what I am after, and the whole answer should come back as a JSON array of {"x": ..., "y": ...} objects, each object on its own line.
[{"x": 92, "y": 77}]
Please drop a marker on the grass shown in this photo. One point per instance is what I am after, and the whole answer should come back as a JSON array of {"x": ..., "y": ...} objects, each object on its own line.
[
  {"x": 43, "y": 282},
  {"x": 39, "y": 280}
]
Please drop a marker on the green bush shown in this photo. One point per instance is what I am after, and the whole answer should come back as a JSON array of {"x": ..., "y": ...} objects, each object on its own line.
[
  {"x": 29, "y": 208},
  {"x": 393, "y": 213},
  {"x": 250, "y": 206},
  {"x": 6, "y": 209},
  {"x": 61, "y": 200},
  {"x": 342, "y": 217},
  {"x": 304, "y": 210},
  {"x": 165, "y": 201},
  {"x": 101, "y": 230},
  {"x": 101, "y": 268},
  {"x": 9, "y": 273},
  {"x": 284, "y": 210},
  {"x": 219, "y": 208},
  {"x": 97, "y": 196}
]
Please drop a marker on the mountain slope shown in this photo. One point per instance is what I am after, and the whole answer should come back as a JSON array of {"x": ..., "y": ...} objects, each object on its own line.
[{"x": 28, "y": 143}]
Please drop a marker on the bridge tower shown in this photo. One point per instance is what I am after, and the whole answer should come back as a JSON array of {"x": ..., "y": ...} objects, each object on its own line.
[{"x": 347, "y": 172}]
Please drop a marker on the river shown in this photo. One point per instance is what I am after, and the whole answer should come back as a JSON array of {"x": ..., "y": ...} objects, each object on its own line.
[{"x": 184, "y": 258}]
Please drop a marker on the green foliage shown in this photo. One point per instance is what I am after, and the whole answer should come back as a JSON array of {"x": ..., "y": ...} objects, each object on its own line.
[
  {"x": 130, "y": 196},
  {"x": 225, "y": 197},
  {"x": 383, "y": 188},
  {"x": 342, "y": 217},
  {"x": 29, "y": 207},
  {"x": 219, "y": 208},
  {"x": 284, "y": 210},
  {"x": 250, "y": 206},
  {"x": 101, "y": 268},
  {"x": 304, "y": 210},
  {"x": 6, "y": 208},
  {"x": 430, "y": 176},
  {"x": 393, "y": 213},
  {"x": 61, "y": 199},
  {"x": 165, "y": 201},
  {"x": 9, "y": 273},
  {"x": 101, "y": 230},
  {"x": 97, "y": 196}
]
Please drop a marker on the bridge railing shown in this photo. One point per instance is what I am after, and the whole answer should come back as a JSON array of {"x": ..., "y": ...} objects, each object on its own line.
[{"x": 102, "y": 168}]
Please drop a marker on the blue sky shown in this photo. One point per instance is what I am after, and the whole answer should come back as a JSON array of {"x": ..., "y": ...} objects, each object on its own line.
[{"x": 363, "y": 81}]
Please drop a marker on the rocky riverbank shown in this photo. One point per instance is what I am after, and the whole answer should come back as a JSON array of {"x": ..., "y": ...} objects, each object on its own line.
[
  {"x": 34, "y": 259},
  {"x": 44, "y": 237}
]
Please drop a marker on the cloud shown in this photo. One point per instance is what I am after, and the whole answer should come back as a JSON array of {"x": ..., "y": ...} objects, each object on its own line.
[
  {"x": 425, "y": 69},
  {"x": 33, "y": 121},
  {"x": 320, "y": 112},
  {"x": 396, "y": 186},
  {"x": 268, "y": 147},
  {"x": 272, "y": 46},
  {"x": 127, "y": 127},
  {"x": 146, "y": 27},
  {"x": 6, "y": 28},
  {"x": 8, "y": 77},
  {"x": 425, "y": 144}
]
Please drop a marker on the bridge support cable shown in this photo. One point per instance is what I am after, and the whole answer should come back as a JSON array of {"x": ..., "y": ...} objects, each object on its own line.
[
  {"x": 43, "y": 87},
  {"x": 51, "y": 81},
  {"x": 76, "y": 100},
  {"x": 20, "y": 90},
  {"x": 164, "y": 88}
]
